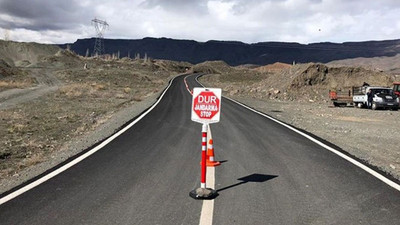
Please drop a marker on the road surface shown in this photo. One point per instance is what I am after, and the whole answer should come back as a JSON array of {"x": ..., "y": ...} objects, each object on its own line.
[{"x": 269, "y": 175}]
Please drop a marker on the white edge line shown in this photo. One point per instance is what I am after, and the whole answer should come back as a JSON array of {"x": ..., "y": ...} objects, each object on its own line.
[
  {"x": 353, "y": 161},
  {"x": 197, "y": 79},
  {"x": 82, "y": 157}
]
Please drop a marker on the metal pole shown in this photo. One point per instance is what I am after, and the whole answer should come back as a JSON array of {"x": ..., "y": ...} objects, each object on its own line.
[
  {"x": 203, "y": 155},
  {"x": 202, "y": 192}
]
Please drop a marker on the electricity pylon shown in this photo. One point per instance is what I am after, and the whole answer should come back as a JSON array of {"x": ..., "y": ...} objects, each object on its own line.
[{"x": 100, "y": 26}]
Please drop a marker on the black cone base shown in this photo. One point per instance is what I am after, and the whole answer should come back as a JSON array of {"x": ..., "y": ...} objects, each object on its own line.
[{"x": 203, "y": 193}]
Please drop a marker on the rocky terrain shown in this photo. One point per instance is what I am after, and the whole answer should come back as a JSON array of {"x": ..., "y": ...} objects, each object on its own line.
[
  {"x": 298, "y": 95},
  {"x": 387, "y": 64},
  {"x": 54, "y": 103},
  {"x": 309, "y": 82}
]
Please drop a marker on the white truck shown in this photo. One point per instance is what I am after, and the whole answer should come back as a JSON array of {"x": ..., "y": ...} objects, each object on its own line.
[{"x": 382, "y": 97}]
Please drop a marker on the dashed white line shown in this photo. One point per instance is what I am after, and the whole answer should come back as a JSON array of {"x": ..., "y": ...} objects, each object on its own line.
[{"x": 207, "y": 210}]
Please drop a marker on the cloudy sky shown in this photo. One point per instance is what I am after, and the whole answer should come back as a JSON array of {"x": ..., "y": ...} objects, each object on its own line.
[{"x": 249, "y": 21}]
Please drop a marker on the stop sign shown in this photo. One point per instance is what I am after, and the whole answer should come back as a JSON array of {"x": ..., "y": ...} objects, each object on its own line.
[{"x": 206, "y": 105}]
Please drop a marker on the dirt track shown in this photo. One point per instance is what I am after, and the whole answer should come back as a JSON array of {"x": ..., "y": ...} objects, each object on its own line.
[{"x": 46, "y": 83}]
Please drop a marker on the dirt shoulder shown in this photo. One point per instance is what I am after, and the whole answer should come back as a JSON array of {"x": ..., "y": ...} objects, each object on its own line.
[
  {"x": 42, "y": 161},
  {"x": 366, "y": 134},
  {"x": 83, "y": 107}
]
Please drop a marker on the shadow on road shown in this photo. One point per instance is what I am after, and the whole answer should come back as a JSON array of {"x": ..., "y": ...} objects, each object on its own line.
[{"x": 255, "y": 177}]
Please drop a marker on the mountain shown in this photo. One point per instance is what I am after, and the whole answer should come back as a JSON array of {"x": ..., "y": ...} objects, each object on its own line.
[{"x": 238, "y": 53}]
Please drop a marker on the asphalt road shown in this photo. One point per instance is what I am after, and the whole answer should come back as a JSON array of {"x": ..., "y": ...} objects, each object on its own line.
[{"x": 270, "y": 175}]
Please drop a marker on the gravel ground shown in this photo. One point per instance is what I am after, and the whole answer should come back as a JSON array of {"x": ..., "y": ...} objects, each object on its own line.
[
  {"x": 369, "y": 135},
  {"x": 80, "y": 143}
]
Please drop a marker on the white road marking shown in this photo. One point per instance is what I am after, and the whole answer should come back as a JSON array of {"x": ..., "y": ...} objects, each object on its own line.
[
  {"x": 82, "y": 157},
  {"x": 207, "y": 210},
  {"x": 353, "y": 161},
  {"x": 208, "y": 206},
  {"x": 337, "y": 152}
]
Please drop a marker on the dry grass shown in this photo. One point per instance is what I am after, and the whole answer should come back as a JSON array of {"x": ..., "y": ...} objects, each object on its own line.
[
  {"x": 137, "y": 98},
  {"x": 16, "y": 128},
  {"x": 74, "y": 90},
  {"x": 127, "y": 90},
  {"x": 357, "y": 119},
  {"x": 99, "y": 87},
  {"x": 31, "y": 132},
  {"x": 4, "y": 85},
  {"x": 82, "y": 90}
]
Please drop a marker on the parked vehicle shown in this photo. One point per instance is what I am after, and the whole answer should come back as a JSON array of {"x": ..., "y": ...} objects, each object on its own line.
[
  {"x": 341, "y": 98},
  {"x": 382, "y": 97},
  {"x": 396, "y": 88}
]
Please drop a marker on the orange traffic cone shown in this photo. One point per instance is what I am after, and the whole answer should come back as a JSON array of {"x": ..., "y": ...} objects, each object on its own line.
[
  {"x": 210, "y": 155},
  {"x": 210, "y": 158}
]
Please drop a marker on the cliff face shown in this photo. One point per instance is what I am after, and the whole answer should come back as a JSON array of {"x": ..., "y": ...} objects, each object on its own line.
[{"x": 238, "y": 53}]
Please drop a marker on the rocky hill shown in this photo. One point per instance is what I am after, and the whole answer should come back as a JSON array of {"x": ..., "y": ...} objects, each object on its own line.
[
  {"x": 302, "y": 82},
  {"x": 25, "y": 54},
  {"x": 238, "y": 53},
  {"x": 384, "y": 63}
]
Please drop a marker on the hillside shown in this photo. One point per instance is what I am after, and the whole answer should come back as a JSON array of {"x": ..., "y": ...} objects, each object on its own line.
[
  {"x": 276, "y": 67},
  {"x": 54, "y": 103},
  {"x": 302, "y": 82},
  {"x": 384, "y": 63},
  {"x": 25, "y": 54},
  {"x": 238, "y": 53}
]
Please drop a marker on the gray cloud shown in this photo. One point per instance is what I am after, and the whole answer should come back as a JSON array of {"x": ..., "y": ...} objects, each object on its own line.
[
  {"x": 302, "y": 21},
  {"x": 42, "y": 14},
  {"x": 184, "y": 7}
]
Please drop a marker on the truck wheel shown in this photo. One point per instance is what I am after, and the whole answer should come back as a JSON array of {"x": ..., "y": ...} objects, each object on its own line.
[
  {"x": 374, "y": 106},
  {"x": 359, "y": 105}
]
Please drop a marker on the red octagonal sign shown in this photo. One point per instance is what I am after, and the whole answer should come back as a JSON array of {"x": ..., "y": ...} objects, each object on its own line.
[{"x": 206, "y": 105}]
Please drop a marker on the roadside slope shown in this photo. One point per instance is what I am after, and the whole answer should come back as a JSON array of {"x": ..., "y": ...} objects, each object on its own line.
[{"x": 67, "y": 106}]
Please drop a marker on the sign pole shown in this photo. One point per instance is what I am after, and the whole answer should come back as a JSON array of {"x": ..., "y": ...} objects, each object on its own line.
[
  {"x": 206, "y": 104},
  {"x": 203, "y": 192},
  {"x": 203, "y": 155}
]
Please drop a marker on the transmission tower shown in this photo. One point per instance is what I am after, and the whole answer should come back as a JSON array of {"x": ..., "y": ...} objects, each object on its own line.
[{"x": 100, "y": 26}]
